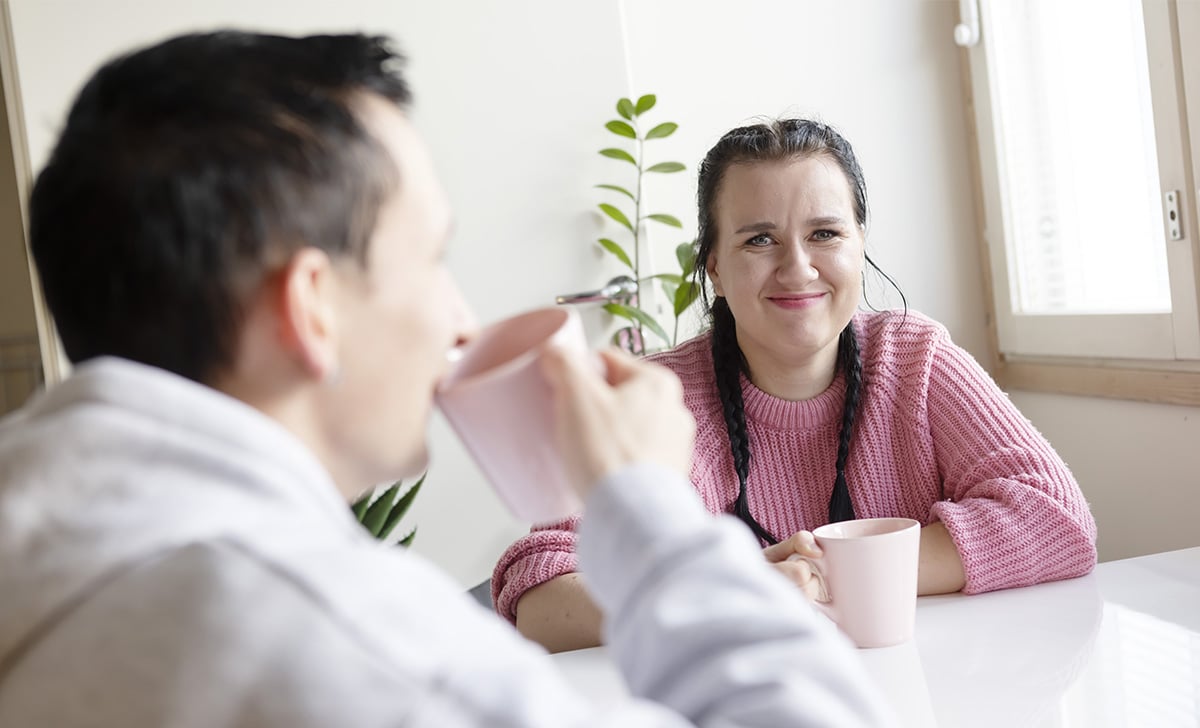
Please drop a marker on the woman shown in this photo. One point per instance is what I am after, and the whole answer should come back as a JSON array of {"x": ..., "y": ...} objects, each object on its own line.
[{"x": 810, "y": 412}]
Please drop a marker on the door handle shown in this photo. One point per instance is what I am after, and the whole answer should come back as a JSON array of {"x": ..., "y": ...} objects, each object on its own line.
[
  {"x": 621, "y": 289},
  {"x": 966, "y": 33}
]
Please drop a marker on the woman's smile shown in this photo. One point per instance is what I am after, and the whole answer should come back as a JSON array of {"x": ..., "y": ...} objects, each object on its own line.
[{"x": 798, "y": 301}]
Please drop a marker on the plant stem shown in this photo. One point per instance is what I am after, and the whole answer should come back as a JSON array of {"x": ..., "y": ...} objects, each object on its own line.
[{"x": 637, "y": 226}]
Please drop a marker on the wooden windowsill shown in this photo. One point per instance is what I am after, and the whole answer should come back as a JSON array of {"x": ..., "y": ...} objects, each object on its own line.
[{"x": 1160, "y": 385}]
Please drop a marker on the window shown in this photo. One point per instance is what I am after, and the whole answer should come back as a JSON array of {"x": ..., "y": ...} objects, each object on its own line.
[{"x": 1083, "y": 122}]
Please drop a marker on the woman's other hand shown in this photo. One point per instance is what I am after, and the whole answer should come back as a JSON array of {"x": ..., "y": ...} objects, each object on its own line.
[{"x": 791, "y": 558}]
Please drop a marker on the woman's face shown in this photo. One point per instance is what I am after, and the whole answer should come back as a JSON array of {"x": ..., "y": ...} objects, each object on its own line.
[{"x": 788, "y": 258}]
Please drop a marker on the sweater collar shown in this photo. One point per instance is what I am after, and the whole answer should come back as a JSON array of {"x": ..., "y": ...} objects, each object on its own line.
[{"x": 804, "y": 414}]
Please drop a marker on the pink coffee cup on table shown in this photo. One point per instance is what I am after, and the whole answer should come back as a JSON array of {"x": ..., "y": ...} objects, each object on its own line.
[
  {"x": 869, "y": 577},
  {"x": 497, "y": 400}
]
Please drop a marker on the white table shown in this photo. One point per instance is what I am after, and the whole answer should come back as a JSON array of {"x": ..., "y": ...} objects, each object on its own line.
[{"x": 1119, "y": 647}]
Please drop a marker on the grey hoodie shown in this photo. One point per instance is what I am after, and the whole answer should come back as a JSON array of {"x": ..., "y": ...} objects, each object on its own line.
[{"x": 170, "y": 556}]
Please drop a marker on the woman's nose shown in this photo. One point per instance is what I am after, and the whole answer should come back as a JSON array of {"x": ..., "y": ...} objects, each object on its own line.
[{"x": 796, "y": 265}]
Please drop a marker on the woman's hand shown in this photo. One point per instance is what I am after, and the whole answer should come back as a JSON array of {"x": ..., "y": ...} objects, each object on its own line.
[
  {"x": 789, "y": 558},
  {"x": 634, "y": 413}
]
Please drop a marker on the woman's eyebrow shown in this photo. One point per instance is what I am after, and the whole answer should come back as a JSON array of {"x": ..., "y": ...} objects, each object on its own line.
[
  {"x": 825, "y": 220},
  {"x": 756, "y": 227}
]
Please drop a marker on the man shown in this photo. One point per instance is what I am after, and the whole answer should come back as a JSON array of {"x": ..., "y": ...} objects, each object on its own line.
[{"x": 240, "y": 238}]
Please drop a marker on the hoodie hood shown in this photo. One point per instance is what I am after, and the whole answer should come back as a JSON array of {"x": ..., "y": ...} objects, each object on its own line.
[{"x": 123, "y": 462}]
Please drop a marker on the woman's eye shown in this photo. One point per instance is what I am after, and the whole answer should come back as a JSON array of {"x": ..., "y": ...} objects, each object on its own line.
[
  {"x": 759, "y": 241},
  {"x": 824, "y": 235}
]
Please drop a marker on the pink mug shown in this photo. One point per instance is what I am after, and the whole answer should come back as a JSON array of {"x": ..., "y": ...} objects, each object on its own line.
[
  {"x": 498, "y": 402},
  {"x": 868, "y": 576}
]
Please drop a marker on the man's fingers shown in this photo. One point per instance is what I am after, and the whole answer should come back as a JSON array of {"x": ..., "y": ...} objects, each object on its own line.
[
  {"x": 554, "y": 365},
  {"x": 618, "y": 366},
  {"x": 633, "y": 412},
  {"x": 567, "y": 370}
]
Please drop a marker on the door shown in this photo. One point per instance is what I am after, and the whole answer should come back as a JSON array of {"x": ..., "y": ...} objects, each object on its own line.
[{"x": 22, "y": 313}]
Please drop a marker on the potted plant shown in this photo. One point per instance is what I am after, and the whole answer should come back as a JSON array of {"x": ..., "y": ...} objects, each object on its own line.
[
  {"x": 678, "y": 287},
  {"x": 381, "y": 513}
]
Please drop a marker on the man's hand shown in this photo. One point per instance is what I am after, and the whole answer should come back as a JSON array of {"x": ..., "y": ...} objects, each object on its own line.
[{"x": 633, "y": 413}]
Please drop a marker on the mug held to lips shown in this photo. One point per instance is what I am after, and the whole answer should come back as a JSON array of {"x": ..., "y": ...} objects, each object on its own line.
[
  {"x": 498, "y": 402},
  {"x": 868, "y": 578}
]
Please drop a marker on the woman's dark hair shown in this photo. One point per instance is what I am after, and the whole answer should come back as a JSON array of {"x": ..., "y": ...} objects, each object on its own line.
[
  {"x": 186, "y": 171},
  {"x": 779, "y": 140}
]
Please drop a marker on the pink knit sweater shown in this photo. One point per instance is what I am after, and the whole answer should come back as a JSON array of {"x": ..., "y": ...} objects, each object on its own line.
[{"x": 935, "y": 439}]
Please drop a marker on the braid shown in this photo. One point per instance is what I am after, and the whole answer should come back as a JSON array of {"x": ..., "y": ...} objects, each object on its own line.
[
  {"x": 727, "y": 368},
  {"x": 840, "y": 507}
]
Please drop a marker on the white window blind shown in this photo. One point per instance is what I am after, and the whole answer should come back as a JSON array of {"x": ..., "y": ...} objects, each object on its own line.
[{"x": 1075, "y": 128}]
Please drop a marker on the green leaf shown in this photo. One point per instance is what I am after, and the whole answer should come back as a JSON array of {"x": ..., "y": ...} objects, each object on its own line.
[
  {"x": 619, "y": 154},
  {"x": 665, "y": 129},
  {"x": 400, "y": 508},
  {"x": 669, "y": 288},
  {"x": 644, "y": 104},
  {"x": 622, "y": 190},
  {"x": 616, "y": 250},
  {"x": 667, "y": 167},
  {"x": 616, "y": 214},
  {"x": 674, "y": 278},
  {"x": 620, "y": 128},
  {"x": 665, "y": 219},
  {"x": 685, "y": 296},
  {"x": 649, "y": 322},
  {"x": 407, "y": 540},
  {"x": 634, "y": 313},
  {"x": 617, "y": 309},
  {"x": 625, "y": 108},
  {"x": 377, "y": 514},
  {"x": 685, "y": 253},
  {"x": 360, "y": 506}
]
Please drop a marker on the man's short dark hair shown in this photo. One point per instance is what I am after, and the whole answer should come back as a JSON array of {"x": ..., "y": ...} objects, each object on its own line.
[{"x": 188, "y": 170}]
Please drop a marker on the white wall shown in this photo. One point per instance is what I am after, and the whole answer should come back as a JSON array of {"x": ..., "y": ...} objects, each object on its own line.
[
  {"x": 1138, "y": 465},
  {"x": 512, "y": 97}
]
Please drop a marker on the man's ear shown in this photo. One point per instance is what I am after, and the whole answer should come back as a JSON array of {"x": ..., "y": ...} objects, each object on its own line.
[
  {"x": 710, "y": 266},
  {"x": 307, "y": 314}
]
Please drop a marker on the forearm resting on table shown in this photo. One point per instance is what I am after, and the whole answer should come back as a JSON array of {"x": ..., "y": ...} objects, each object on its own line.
[
  {"x": 559, "y": 615},
  {"x": 941, "y": 568}
]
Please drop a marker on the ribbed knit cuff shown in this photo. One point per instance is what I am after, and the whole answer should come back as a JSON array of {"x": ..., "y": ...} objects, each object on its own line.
[{"x": 533, "y": 560}]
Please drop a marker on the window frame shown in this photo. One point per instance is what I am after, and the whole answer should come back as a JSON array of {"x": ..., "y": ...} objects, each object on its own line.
[{"x": 1151, "y": 370}]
